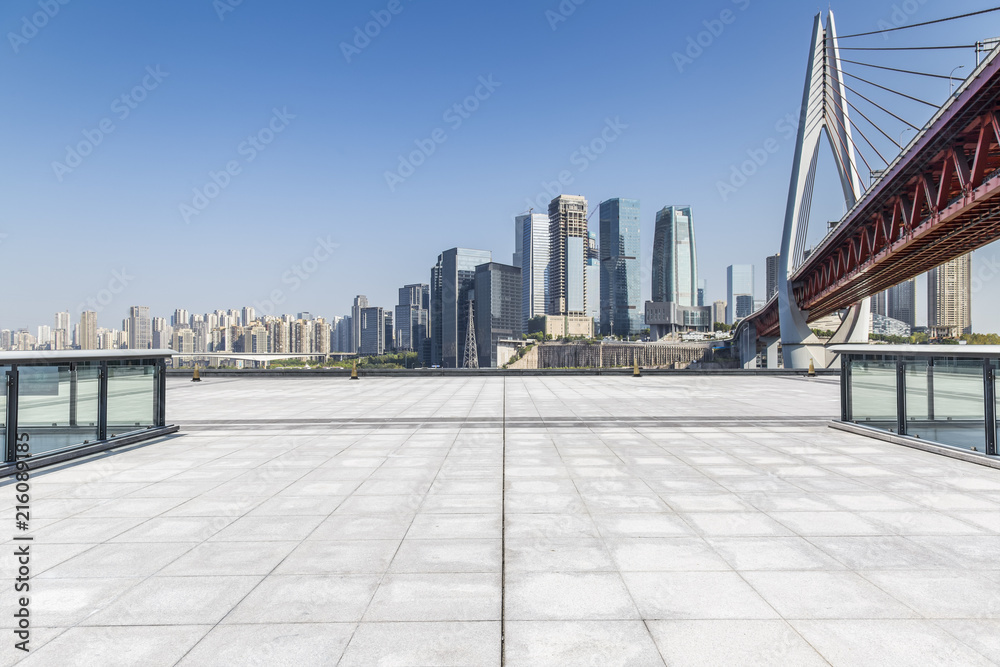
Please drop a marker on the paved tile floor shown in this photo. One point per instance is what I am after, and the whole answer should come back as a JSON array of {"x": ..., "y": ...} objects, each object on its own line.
[{"x": 538, "y": 521}]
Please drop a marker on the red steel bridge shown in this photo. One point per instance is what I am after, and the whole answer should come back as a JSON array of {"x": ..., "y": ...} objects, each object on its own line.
[{"x": 938, "y": 200}]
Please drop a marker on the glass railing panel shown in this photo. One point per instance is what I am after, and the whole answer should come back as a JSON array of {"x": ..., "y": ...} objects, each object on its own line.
[
  {"x": 919, "y": 406},
  {"x": 131, "y": 398},
  {"x": 873, "y": 393},
  {"x": 953, "y": 411},
  {"x": 57, "y": 406},
  {"x": 996, "y": 393},
  {"x": 3, "y": 406}
]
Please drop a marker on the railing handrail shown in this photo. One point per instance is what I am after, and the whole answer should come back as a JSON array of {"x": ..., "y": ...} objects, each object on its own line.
[{"x": 77, "y": 356}]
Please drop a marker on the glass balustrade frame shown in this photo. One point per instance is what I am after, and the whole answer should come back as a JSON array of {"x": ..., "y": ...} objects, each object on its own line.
[
  {"x": 147, "y": 400},
  {"x": 955, "y": 413}
]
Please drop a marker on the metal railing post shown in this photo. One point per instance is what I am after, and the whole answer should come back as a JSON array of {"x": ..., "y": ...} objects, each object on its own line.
[
  {"x": 161, "y": 393},
  {"x": 845, "y": 388},
  {"x": 10, "y": 449},
  {"x": 900, "y": 397},
  {"x": 102, "y": 402},
  {"x": 73, "y": 394},
  {"x": 989, "y": 376}
]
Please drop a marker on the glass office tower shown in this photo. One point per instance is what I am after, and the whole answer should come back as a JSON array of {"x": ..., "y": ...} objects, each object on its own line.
[
  {"x": 452, "y": 288},
  {"x": 675, "y": 258},
  {"x": 621, "y": 312},
  {"x": 533, "y": 253}
]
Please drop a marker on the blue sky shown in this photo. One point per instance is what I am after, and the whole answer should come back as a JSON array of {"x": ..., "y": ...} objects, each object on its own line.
[{"x": 287, "y": 137}]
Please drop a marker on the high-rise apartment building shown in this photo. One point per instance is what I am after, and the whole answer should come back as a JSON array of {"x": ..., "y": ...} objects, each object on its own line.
[
  {"x": 63, "y": 321},
  {"x": 182, "y": 341},
  {"x": 535, "y": 247},
  {"x": 719, "y": 312},
  {"x": 949, "y": 298},
  {"x": 902, "y": 303},
  {"x": 568, "y": 253},
  {"x": 452, "y": 287},
  {"x": 44, "y": 337},
  {"x": 773, "y": 262},
  {"x": 675, "y": 257},
  {"x": 140, "y": 328},
  {"x": 497, "y": 309},
  {"x": 88, "y": 330},
  {"x": 372, "y": 320},
  {"x": 739, "y": 283},
  {"x": 620, "y": 288}
]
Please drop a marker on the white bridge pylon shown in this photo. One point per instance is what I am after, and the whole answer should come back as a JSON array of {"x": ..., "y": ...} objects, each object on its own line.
[{"x": 824, "y": 107}]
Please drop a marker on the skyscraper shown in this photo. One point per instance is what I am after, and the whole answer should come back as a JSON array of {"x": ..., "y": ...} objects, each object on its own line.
[
  {"x": 592, "y": 279},
  {"x": 360, "y": 303},
  {"x": 535, "y": 248},
  {"x": 568, "y": 256},
  {"x": 675, "y": 258},
  {"x": 621, "y": 298},
  {"x": 411, "y": 317},
  {"x": 497, "y": 309},
  {"x": 739, "y": 282},
  {"x": 140, "y": 328},
  {"x": 903, "y": 303},
  {"x": 773, "y": 262},
  {"x": 452, "y": 287},
  {"x": 949, "y": 298},
  {"x": 702, "y": 289},
  {"x": 372, "y": 331},
  {"x": 88, "y": 330},
  {"x": 880, "y": 304}
]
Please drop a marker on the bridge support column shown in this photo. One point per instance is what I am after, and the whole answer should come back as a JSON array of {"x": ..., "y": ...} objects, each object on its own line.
[
  {"x": 772, "y": 352},
  {"x": 747, "y": 346},
  {"x": 824, "y": 108}
]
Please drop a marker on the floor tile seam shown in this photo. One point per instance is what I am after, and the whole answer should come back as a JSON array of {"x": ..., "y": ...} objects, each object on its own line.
[
  {"x": 940, "y": 623},
  {"x": 285, "y": 557},
  {"x": 607, "y": 551},
  {"x": 409, "y": 527}
]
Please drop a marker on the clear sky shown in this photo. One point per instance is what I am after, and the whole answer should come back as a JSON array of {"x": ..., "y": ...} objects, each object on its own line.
[{"x": 286, "y": 122}]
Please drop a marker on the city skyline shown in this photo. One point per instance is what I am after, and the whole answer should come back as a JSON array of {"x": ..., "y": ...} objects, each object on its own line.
[{"x": 303, "y": 245}]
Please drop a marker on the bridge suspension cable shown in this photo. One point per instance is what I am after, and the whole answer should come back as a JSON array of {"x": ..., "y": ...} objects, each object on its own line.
[
  {"x": 920, "y": 25},
  {"x": 894, "y": 69},
  {"x": 906, "y": 48}
]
